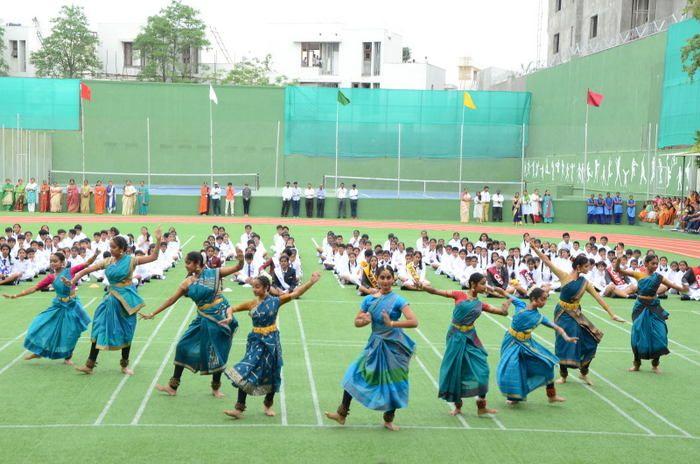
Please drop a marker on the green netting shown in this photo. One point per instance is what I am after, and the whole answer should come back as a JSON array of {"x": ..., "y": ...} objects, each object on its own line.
[
  {"x": 680, "y": 110},
  {"x": 414, "y": 123},
  {"x": 51, "y": 104}
]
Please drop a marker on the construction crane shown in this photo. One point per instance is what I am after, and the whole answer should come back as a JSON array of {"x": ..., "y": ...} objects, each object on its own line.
[
  {"x": 35, "y": 21},
  {"x": 220, "y": 44}
]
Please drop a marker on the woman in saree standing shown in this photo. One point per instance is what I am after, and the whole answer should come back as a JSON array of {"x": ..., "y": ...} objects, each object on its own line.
[
  {"x": 464, "y": 371},
  {"x": 55, "y": 331},
  {"x": 205, "y": 346},
  {"x": 547, "y": 207},
  {"x": 569, "y": 316},
  {"x": 378, "y": 379},
  {"x": 114, "y": 321},
  {"x": 649, "y": 331},
  {"x": 44, "y": 197},
  {"x": 32, "y": 195},
  {"x": 525, "y": 365},
  {"x": 144, "y": 198},
  {"x": 465, "y": 203},
  {"x": 72, "y": 197},
  {"x": 204, "y": 199},
  {"x": 516, "y": 209},
  {"x": 8, "y": 195},
  {"x": 85, "y": 193},
  {"x": 128, "y": 199},
  {"x": 100, "y": 197},
  {"x": 260, "y": 370},
  {"x": 56, "y": 198},
  {"x": 19, "y": 195}
]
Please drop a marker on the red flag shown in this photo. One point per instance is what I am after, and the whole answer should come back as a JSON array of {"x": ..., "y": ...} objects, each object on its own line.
[
  {"x": 85, "y": 92},
  {"x": 594, "y": 99}
]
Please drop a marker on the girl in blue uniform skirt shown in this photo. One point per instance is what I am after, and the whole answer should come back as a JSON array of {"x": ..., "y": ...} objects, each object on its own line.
[
  {"x": 55, "y": 331},
  {"x": 570, "y": 317},
  {"x": 114, "y": 321},
  {"x": 525, "y": 364},
  {"x": 205, "y": 346},
  {"x": 260, "y": 371},
  {"x": 464, "y": 371},
  {"x": 649, "y": 331},
  {"x": 378, "y": 379}
]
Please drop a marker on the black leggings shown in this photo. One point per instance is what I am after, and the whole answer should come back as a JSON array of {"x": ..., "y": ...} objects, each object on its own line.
[
  {"x": 638, "y": 361},
  {"x": 94, "y": 352},
  {"x": 177, "y": 374},
  {"x": 347, "y": 399},
  {"x": 564, "y": 370},
  {"x": 242, "y": 396}
]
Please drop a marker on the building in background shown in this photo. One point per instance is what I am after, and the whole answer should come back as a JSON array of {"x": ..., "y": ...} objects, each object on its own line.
[
  {"x": 467, "y": 73},
  {"x": 581, "y": 27},
  {"x": 20, "y": 41}
]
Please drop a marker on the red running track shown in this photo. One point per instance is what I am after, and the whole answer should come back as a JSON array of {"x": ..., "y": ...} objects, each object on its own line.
[{"x": 680, "y": 246}]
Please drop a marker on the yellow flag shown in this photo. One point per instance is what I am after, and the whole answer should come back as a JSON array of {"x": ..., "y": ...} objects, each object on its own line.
[{"x": 468, "y": 102}]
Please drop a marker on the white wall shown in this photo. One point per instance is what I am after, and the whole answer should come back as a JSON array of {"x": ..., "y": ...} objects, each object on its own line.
[
  {"x": 413, "y": 76},
  {"x": 31, "y": 41}
]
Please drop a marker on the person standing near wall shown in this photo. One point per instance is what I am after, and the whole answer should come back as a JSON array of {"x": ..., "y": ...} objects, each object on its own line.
[
  {"x": 31, "y": 190},
  {"x": 296, "y": 199},
  {"x": 465, "y": 203},
  {"x": 8, "y": 195},
  {"x": 246, "y": 194},
  {"x": 341, "y": 194},
  {"x": 485, "y": 203},
  {"x": 354, "y": 194},
  {"x": 286, "y": 199},
  {"x": 497, "y": 206},
  {"x": 85, "y": 194},
  {"x": 144, "y": 198},
  {"x": 100, "y": 197},
  {"x": 204, "y": 199},
  {"x": 44, "y": 197},
  {"x": 230, "y": 200},
  {"x": 320, "y": 201},
  {"x": 617, "y": 207},
  {"x": 216, "y": 199},
  {"x": 309, "y": 195},
  {"x": 111, "y": 197},
  {"x": 128, "y": 199}
]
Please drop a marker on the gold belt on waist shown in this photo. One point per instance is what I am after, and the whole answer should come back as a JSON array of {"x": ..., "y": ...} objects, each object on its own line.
[
  {"x": 66, "y": 299},
  {"x": 522, "y": 336},
  {"x": 463, "y": 328},
  {"x": 210, "y": 305},
  {"x": 123, "y": 283},
  {"x": 569, "y": 306},
  {"x": 265, "y": 330}
]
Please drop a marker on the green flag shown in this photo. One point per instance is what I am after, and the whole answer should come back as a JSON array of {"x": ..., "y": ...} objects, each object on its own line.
[{"x": 342, "y": 99}]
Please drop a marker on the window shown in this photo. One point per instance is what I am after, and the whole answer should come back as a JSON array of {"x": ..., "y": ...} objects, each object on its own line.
[
  {"x": 128, "y": 53},
  {"x": 375, "y": 85},
  {"x": 310, "y": 54},
  {"x": 377, "y": 58},
  {"x": 572, "y": 36},
  {"x": 557, "y": 5},
  {"x": 640, "y": 12},
  {"x": 14, "y": 49},
  {"x": 555, "y": 44},
  {"x": 22, "y": 56},
  {"x": 190, "y": 58},
  {"x": 366, "y": 58},
  {"x": 594, "y": 27}
]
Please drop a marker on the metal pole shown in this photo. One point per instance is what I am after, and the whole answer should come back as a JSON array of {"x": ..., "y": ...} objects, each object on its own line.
[
  {"x": 29, "y": 154},
  {"x": 461, "y": 150},
  {"x": 211, "y": 146},
  {"x": 277, "y": 152},
  {"x": 656, "y": 144},
  {"x": 337, "y": 114},
  {"x": 398, "y": 177},
  {"x": 148, "y": 149},
  {"x": 585, "y": 152},
  {"x": 522, "y": 160},
  {"x": 648, "y": 158},
  {"x": 3, "y": 152},
  {"x": 82, "y": 133},
  {"x": 683, "y": 181}
]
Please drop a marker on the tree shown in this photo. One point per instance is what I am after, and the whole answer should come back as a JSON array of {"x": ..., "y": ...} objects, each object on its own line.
[
  {"x": 170, "y": 42},
  {"x": 406, "y": 54},
  {"x": 690, "y": 53},
  {"x": 255, "y": 72},
  {"x": 70, "y": 50},
  {"x": 3, "y": 65}
]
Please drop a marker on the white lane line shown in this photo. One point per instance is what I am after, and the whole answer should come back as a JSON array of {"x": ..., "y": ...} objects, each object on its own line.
[
  {"x": 439, "y": 355},
  {"x": 186, "y": 242},
  {"x": 283, "y": 396},
  {"x": 619, "y": 327},
  {"x": 309, "y": 371},
  {"x": 437, "y": 387},
  {"x": 159, "y": 372},
  {"x": 119, "y": 387},
  {"x": 697, "y": 313},
  {"x": 13, "y": 362},
  {"x": 337, "y": 279}
]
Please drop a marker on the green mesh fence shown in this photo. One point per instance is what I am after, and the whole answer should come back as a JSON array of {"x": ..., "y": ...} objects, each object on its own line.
[
  {"x": 680, "y": 110},
  {"x": 28, "y": 103},
  {"x": 412, "y": 123}
]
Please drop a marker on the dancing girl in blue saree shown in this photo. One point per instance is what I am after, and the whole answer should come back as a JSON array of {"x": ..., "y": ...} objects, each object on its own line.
[
  {"x": 464, "y": 371},
  {"x": 569, "y": 316},
  {"x": 526, "y": 365},
  {"x": 378, "y": 379},
  {"x": 55, "y": 331},
  {"x": 205, "y": 345},
  {"x": 114, "y": 321},
  {"x": 649, "y": 331},
  {"x": 260, "y": 370}
]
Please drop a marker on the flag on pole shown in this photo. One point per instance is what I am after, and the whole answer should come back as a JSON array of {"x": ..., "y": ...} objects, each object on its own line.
[
  {"x": 85, "y": 92},
  {"x": 468, "y": 102},
  {"x": 212, "y": 95},
  {"x": 594, "y": 99},
  {"x": 342, "y": 99}
]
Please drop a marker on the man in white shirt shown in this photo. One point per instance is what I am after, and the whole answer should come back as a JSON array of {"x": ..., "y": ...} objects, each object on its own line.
[
  {"x": 353, "y": 195},
  {"x": 286, "y": 199},
  {"x": 455, "y": 242},
  {"x": 341, "y": 194},
  {"x": 565, "y": 243},
  {"x": 485, "y": 203},
  {"x": 296, "y": 199},
  {"x": 497, "y": 206},
  {"x": 309, "y": 196},
  {"x": 216, "y": 199}
]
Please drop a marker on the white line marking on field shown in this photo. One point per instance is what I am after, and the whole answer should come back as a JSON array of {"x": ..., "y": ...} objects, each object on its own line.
[
  {"x": 600, "y": 376},
  {"x": 462, "y": 420},
  {"x": 697, "y": 313},
  {"x": 13, "y": 362},
  {"x": 617, "y": 408},
  {"x": 186, "y": 242},
  {"x": 159, "y": 372},
  {"x": 117, "y": 390},
  {"x": 309, "y": 371},
  {"x": 439, "y": 355},
  {"x": 619, "y": 327},
  {"x": 283, "y": 396},
  {"x": 337, "y": 279}
]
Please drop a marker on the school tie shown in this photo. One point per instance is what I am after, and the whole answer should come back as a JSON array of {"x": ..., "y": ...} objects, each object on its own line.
[{"x": 249, "y": 271}]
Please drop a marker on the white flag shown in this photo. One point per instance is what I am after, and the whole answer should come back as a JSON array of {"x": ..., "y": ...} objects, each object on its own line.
[{"x": 212, "y": 95}]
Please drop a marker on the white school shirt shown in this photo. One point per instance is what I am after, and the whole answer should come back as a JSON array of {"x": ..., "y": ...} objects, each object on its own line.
[
  {"x": 354, "y": 193},
  {"x": 525, "y": 248},
  {"x": 454, "y": 243},
  {"x": 485, "y": 197},
  {"x": 215, "y": 193},
  {"x": 565, "y": 246},
  {"x": 286, "y": 193},
  {"x": 296, "y": 193},
  {"x": 309, "y": 193},
  {"x": 341, "y": 193},
  {"x": 355, "y": 242},
  {"x": 497, "y": 200},
  {"x": 575, "y": 253},
  {"x": 80, "y": 236}
]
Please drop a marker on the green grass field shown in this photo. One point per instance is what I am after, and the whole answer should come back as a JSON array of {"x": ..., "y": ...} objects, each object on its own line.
[{"x": 49, "y": 412}]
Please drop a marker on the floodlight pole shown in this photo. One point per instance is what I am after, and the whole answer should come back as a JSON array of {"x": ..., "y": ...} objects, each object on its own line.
[
  {"x": 148, "y": 148},
  {"x": 461, "y": 150},
  {"x": 585, "y": 152},
  {"x": 211, "y": 146},
  {"x": 337, "y": 115}
]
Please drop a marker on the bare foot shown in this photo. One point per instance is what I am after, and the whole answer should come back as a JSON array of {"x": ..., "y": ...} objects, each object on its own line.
[
  {"x": 269, "y": 412},
  {"x": 235, "y": 413},
  {"x": 127, "y": 371},
  {"x": 512, "y": 403},
  {"x": 556, "y": 399},
  {"x": 31, "y": 356},
  {"x": 656, "y": 369},
  {"x": 218, "y": 394},
  {"x": 166, "y": 389},
  {"x": 391, "y": 426},
  {"x": 84, "y": 369},
  {"x": 68, "y": 362},
  {"x": 560, "y": 380},
  {"x": 585, "y": 379},
  {"x": 481, "y": 412},
  {"x": 334, "y": 416},
  {"x": 456, "y": 411},
  {"x": 633, "y": 369}
]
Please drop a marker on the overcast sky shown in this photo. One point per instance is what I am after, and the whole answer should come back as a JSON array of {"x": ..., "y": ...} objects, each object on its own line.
[{"x": 499, "y": 33}]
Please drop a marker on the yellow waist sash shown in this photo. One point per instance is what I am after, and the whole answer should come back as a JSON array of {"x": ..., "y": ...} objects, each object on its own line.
[
  {"x": 124, "y": 283},
  {"x": 569, "y": 306},
  {"x": 522, "y": 336},
  {"x": 265, "y": 330},
  {"x": 463, "y": 328},
  {"x": 210, "y": 305},
  {"x": 66, "y": 299}
]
